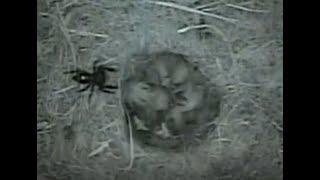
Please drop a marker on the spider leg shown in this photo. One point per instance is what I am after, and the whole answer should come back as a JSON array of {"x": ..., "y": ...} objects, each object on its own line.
[
  {"x": 95, "y": 64},
  {"x": 70, "y": 72},
  {"x": 90, "y": 95},
  {"x": 78, "y": 70},
  {"x": 84, "y": 89},
  {"x": 107, "y": 91},
  {"x": 110, "y": 69},
  {"x": 110, "y": 87}
]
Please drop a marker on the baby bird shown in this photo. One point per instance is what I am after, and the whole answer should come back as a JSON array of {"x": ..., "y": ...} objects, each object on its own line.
[
  {"x": 199, "y": 106},
  {"x": 172, "y": 68},
  {"x": 168, "y": 98},
  {"x": 189, "y": 96},
  {"x": 148, "y": 101},
  {"x": 146, "y": 95}
]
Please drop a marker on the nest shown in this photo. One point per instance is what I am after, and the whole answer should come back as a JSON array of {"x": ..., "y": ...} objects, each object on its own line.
[{"x": 168, "y": 101}]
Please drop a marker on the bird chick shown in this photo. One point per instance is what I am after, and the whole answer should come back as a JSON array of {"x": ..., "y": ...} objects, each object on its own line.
[
  {"x": 149, "y": 96},
  {"x": 161, "y": 99},
  {"x": 198, "y": 106},
  {"x": 179, "y": 122},
  {"x": 149, "y": 102},
  {"x": 189, "y": 96},
  {"x": 181, "y": 73},
  {"x": 172, "y": 68}
]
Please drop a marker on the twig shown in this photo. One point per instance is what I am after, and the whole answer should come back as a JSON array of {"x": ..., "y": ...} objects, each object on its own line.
[
  {"x": 208, "y": 5},
  {"x": 249, "y": 84},
  {"x": 131, "y": 145},
  {"x": 246, "y": 9},
  {"x": 108, "y": 61},
  {"x": 43, "y": 14},
  {"x": 277, "y": 126},
  {"x": 41, "y": 79},
  {"x": 188, "y": 28},
  {"x": 132, "y": 156},
  {"x": 210, "y": 9},
  {"x": 113, "y": 155},
  {"x": 64, "y": 89},
  {"x": 218, "y": 31},
  {"x": 70, "y": 4},
  {"x": 41, "y": 126},
  {"x": 187, "y": 9},
  {"x": 256, "y": 105},
  {"x": 103, "y": 145},
  {"x": 85, "y": 33}
]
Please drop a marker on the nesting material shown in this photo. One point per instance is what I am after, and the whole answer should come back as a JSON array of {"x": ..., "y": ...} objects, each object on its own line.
[{"x": 169, "y": 101}]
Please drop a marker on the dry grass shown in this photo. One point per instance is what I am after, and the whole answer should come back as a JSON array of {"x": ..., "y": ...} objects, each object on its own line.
[{"x": 77, "y": 140}]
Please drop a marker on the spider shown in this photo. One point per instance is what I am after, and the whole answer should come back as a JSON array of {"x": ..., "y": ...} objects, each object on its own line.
[{"x": 97, "y": 78}]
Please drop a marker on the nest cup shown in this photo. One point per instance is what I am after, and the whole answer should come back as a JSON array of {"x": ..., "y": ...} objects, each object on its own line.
[{"x": 168, "y": 101}]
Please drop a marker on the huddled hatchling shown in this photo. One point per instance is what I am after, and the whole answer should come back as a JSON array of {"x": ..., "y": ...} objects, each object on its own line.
[{"x": 168, "y": 99}]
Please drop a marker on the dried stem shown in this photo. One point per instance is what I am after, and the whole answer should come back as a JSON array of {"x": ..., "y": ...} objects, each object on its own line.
[
  {"x": 187, "y": 9},
  {"x": 208, "y": 5},
  {"x": 85, "y": 33},
  {"x": 131, "y": 146},
  {"x": 217, "y": 30},
  {"x": 65, "y": 89},
  {"x": 132, "y": 155},
  {"x": 246, "y": 9},
  {"x": 41, "y": 79}
]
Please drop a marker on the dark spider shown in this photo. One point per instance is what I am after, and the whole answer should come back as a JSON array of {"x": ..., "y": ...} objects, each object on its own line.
[{"x": 97, "y": 78}]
